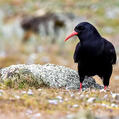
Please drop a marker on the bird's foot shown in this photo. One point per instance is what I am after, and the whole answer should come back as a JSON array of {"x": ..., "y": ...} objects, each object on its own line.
[{"x": 105, "y": 87}]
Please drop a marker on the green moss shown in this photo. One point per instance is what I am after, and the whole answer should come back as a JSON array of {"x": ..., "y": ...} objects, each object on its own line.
[{"x": 8, "y": 83}]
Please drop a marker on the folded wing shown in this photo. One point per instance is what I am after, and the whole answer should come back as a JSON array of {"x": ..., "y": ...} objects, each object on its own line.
[{"x": 77, "y": 53}]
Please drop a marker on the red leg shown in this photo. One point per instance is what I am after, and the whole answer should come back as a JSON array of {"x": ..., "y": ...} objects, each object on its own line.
[
  {"x": 80, "y": 87},
  {"x": 105, "y": 87}
]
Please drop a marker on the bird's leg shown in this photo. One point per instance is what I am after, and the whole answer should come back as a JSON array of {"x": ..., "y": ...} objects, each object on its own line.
[
  {"x": 106, "y": 82},
  {"x": 81, "y": 81},
  {"x": 106, "y": 78},
  {"x": 105, "y": 87},
  {"x": 80, "y": 87}
]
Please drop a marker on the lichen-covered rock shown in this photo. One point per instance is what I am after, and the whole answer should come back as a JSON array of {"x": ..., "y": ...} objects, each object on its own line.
[{"x": 43, "y": 75}]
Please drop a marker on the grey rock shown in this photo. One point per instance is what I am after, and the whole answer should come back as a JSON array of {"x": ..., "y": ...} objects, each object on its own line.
[
  {"x": 81, "y": 115},
  {"x": 91, "y": 100},
  {"x": 49, "y": 75},
  {"x": 115, "y": 96}
]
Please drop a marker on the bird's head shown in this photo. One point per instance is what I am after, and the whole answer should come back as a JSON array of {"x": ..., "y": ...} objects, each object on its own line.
[{"x": 84, "y": 30}]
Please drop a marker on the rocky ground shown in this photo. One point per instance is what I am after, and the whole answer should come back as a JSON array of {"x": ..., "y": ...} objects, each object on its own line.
[{"x": 32, "y": 95}]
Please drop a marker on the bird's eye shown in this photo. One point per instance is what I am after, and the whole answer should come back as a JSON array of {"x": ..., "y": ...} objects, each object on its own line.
[{"x": 81, "y": 28}]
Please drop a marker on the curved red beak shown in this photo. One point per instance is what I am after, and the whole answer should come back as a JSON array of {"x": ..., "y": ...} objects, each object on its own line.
[{"x": 71, "y": 35}]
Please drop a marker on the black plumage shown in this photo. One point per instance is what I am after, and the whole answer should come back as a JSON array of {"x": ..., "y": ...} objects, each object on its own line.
[{"x": 94, "y": 54}]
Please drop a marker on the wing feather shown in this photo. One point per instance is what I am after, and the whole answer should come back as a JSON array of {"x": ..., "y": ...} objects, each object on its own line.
[
  {"x": 110, "y": 52},
  {"x": 77, "y": 53}
]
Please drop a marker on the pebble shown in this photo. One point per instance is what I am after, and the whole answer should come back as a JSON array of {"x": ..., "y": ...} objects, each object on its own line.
[
  {"x": 75, "y": 105},
  {"x": 39, "y": 89},
  {"x": 36, "y": 116},
  {"x": 104, "y": 105},
  {"x": 60, "y": 101},
  {"x": 17, "y": 96},
  {"x": 71, "y": 94},
  {"x": 59, "y": 97},
  {"x": 81, "y": 96},
  {"x": 70, "y": 116},
  {"x": 105, "y": 97},
  {"x": 116, "y": 77},
  {"x": 23, "y": 92},
  {"x": 29, "y": 112},
  {"x": 114, "y": 105},
  {"x": 55, "y": 102},
  {"x": 66, "y": 99},
  {"x": 1, "y": 91},
  {"x": 0, "y": 94},
  {"x": 91, "y": 100},
  {"x": 102, "y": 90},
  {"x": 30, "y": 92},
  {"x": 115, "y": 96}
]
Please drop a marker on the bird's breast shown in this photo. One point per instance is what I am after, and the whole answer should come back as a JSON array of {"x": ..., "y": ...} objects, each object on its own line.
[{"x": 92, "y": 49}]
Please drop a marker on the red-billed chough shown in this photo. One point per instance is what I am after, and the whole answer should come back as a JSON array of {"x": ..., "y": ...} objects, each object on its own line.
[{"x": 94, "y": 54}]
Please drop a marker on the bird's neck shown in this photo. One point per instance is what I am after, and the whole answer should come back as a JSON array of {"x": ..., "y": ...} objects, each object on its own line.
[{"x": 92, "y": 46}]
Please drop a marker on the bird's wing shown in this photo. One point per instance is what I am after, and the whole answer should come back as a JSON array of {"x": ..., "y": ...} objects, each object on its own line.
[
  {"x": 77, "y": 53},
  {"x": 109, "y": 52}
]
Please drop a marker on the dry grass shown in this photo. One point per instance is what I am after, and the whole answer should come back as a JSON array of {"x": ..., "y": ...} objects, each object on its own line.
[{"x": 56, "y": 103}]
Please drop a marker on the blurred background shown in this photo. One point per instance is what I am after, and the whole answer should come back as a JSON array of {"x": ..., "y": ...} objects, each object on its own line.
[{"x": 33, "y": 31}]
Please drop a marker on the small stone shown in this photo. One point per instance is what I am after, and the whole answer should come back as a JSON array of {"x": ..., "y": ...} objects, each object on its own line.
[
  {"x": 0, "y": 94},
  {"x": 36, "y": 115},
  {"x": 91, "y": 100},
  {"x": 55, "y": 102},
  {"x": 70, "y": 116},
  {"x": 86, "y": 95},
  {"x": 84, "y": 115},
  {"x": 75, "y": 105},
  {"x": 114, "y": 105},
  {"x": 59, "y": 97},
  {"x": 66, "y": 99},
  {"x": 104, "y": 105},
  {"x": 1, "y": 91},
  {"x": 71, "y": 94},
  {"x": 102, "y": 90},
  {"x": 17, "y": 96},
  {"x": 23, "y": 92},
  {"x": 116, "y": 77},
  {"x": 39, "y": 89},
  {"x": 60, "y": 101},
  {"x": 105, "y": 97},
  {"x": 30, "y": 92},
  {"x": 29, "y": 112},
  {"x": 115, "y": 96},
  {"x": 81, "y": 96}
]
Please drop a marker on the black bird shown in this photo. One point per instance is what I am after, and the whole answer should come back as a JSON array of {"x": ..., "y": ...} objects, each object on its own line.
[{"x": 94, "y": 54}]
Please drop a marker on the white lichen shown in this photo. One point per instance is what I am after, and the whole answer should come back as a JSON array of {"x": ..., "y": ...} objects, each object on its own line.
[{"x": 50, "y": 75}]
